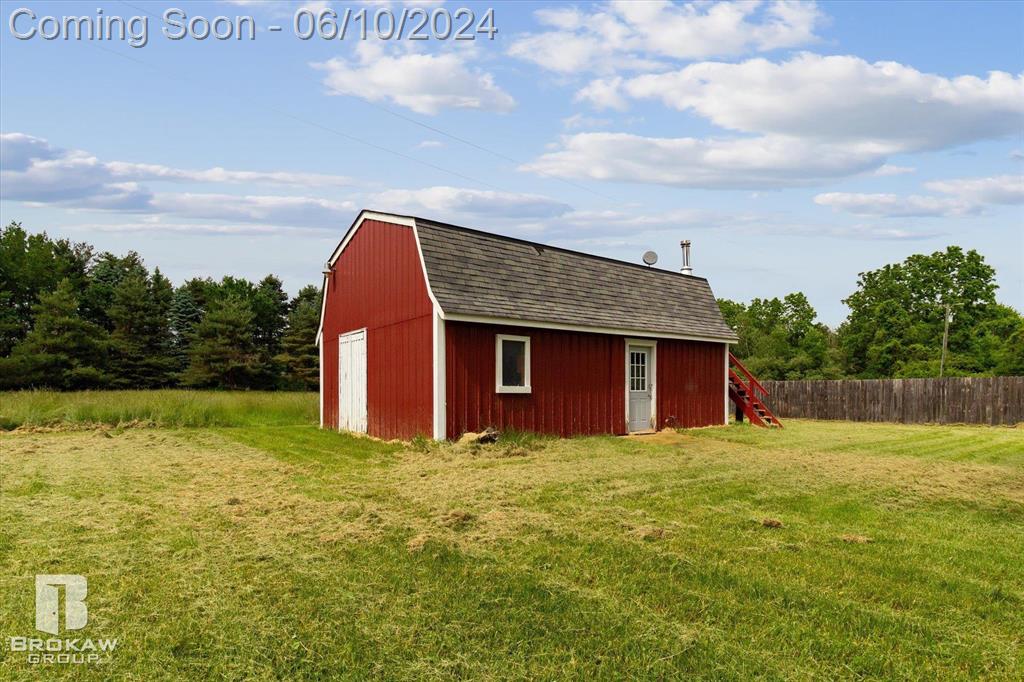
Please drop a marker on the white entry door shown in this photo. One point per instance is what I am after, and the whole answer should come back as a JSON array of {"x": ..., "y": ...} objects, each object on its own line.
[
  {"x": 639, "y": 387},
  {"x": 352, "y": 381}
]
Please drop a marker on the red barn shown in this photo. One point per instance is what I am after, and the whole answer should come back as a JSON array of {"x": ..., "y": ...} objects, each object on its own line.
[{"x": 432, "y": 329}]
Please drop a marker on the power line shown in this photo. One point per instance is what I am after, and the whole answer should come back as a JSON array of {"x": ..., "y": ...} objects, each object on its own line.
[
  {"x": 425, "y": 126},
  {"x": 314, "y": 124},
  {"x": 479, "y": 147}
]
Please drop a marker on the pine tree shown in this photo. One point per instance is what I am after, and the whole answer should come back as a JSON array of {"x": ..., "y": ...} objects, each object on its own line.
[
  {"x": 222, "y": 353},
  {"x": 104, "y": 276},
  {"x": 187, "y": 304},
  {"x": 141, "y": 340},
  {"x": 300, "y": 357},
  {"x": 63, "y": 350},
  {"x": 270, "y": 316}
]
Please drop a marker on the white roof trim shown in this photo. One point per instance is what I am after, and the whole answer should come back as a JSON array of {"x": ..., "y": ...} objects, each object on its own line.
[
  {"x": 323, "y": 309},
  {"x": 614, "y": 331},
  {"x": 423, "y": 266},
  {"x": 440, "y": 421}
]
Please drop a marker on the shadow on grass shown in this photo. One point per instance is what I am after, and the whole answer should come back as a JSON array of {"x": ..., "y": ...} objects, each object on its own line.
[{"x": 310, "y": 444}]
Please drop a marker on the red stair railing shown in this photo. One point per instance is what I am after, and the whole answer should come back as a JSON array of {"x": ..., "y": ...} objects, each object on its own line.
[{"x": 750, "y": 396}]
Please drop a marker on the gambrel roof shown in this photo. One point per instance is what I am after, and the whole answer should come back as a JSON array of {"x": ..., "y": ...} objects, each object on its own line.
[
  {"x": 476, "y": 273},
  {"x": 480, "y": 276}
]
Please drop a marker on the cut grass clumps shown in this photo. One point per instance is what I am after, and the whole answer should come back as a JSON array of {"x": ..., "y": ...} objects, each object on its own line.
[
  {"x": 508, "y": 443},
  {"x": 422, "y": 444},
  {"x": 53, "y": 409},
  {"x": 526, "y": 440}
]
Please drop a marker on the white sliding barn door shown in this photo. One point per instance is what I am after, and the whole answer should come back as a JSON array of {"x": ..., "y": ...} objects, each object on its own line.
[{"x": 352, "y": 381}]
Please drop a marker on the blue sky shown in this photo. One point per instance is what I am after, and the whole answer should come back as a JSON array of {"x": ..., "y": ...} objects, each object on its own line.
[{"x": 795, "y": 144}]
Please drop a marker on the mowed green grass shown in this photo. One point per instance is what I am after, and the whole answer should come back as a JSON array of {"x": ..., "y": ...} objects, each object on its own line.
[{"x": 286, "y": 552}]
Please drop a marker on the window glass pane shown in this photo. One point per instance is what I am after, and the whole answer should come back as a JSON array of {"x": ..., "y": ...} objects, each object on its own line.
[
  {"x": 513, "y": 363},
  {"x": 637, "y": 371}
]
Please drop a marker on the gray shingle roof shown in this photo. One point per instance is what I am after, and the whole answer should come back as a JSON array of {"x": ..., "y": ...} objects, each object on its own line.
[{"x": 478, "y": 273}]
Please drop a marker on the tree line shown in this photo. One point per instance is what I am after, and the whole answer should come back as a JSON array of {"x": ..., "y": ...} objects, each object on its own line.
[
  {"x": 72, "y": 318},
  {"x": 895, "y": 327}
]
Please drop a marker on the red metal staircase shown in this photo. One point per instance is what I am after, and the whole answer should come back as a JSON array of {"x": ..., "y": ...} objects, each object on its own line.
[{"x": 749, "y": 395}]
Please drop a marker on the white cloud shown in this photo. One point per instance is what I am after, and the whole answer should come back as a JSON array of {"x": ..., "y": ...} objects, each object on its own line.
[
  {"x": 871, "y": 232},
  {"x": 430, "y": 144},
  {"x": 725, "y": 29},
  {"x": 889, "y": 169},
  {"x": 18, "y": 151},
  {"x": 627, "y": 35},
  {"x": 966, "y": 196},
  {"x": 578, "y": 121},
  {"x": 798, "y": 122},
  {"x": 770, "y": 161},
  {"x": 772, "y": 225},
  {"x": 408, "y": 3},
  {"x": 563, "y": 18},
  {"x": 619, "y": 227},
  {"x": 37, "y": 172},
  {"x": 604, "y": 93},
  {"x": 148, "y": 171},
  {"x": 568, "y": 53},
  {"x": 894, "y": 205},
  {"x": 999, "y": 189},
  {"x": 424, "y": 83},
  {"x": 458, "y": 203},
  {"x": 283, "y": 8},
  {"x": 34, "y": 170},
  {"x": 273, "y": 210},
  {"x": 154, "y": 227},
  {"x": 834, "y": 99},
  {"x": 621, "y": 222}
]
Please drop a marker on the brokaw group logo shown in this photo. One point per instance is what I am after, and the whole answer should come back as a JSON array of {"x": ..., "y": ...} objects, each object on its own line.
[{"x": 76, "y": 615}]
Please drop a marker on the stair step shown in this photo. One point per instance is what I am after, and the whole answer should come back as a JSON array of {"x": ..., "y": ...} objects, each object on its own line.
[{"x": 746, "y": 398}]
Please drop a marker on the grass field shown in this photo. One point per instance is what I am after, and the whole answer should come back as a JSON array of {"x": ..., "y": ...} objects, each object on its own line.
[
  {"x": 158, "y": 408},
  {"x": 826, "y": 550}
]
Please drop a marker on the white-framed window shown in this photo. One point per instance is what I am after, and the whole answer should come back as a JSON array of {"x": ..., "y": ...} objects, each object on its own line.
[{"x": 512, "y": 363}]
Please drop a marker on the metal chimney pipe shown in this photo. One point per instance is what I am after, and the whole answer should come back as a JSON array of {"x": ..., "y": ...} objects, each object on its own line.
[{"x": 687, "y": 269}]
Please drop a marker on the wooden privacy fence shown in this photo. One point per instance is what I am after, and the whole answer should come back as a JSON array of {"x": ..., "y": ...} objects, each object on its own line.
[{"x": 954, "y": 400}]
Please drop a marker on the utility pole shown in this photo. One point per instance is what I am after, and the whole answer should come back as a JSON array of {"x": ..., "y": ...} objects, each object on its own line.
[{"x": 945, "y": 340}]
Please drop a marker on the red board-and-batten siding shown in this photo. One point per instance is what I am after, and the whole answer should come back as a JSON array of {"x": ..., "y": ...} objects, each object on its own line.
[
  {"x": 578, "y": 382},
  {"x": 378, "y": 284},
  {"x": 578, "y": 378}
]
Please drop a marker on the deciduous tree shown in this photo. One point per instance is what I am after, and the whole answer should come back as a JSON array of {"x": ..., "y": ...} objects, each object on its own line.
[
  {"x": 897, "y": 314},
  {"x": 31, "y": 265}
]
